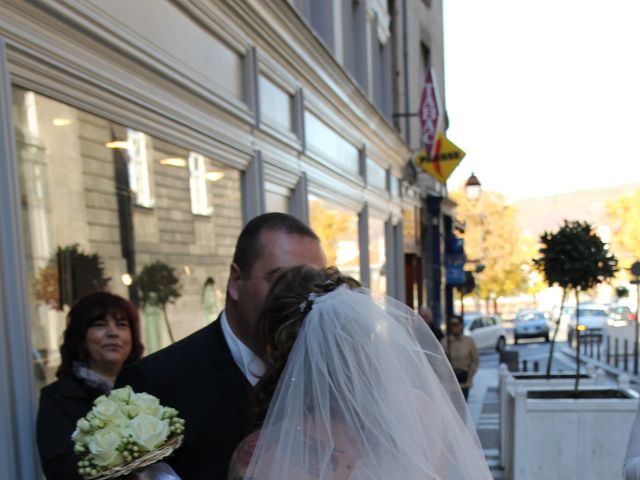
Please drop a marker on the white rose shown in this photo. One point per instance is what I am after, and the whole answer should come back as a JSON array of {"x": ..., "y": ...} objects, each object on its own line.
[
  {"x": 108, "y": 411},
  {"x": 149, "y": 431},
  {"x": 147, "y": 404},
  {"x": 131, "y": 411},
  {"x": 103, "y": 445},
  {"x": 121, "y": 395}
]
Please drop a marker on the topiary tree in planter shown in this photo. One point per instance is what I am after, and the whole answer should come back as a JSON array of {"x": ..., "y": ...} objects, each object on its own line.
[
  {"x": 622, "y": 292},
  {"x": 158, "y": 285},
  {"x": 68, "y": 275},
  {"x": 574, "y": 258}
]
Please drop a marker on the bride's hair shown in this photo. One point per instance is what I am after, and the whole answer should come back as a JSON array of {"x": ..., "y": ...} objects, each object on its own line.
[{"x": 287, "y": 304}]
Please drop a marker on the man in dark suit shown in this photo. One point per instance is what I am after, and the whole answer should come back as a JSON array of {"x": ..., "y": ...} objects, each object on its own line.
[{"x": 208, "y": 376}]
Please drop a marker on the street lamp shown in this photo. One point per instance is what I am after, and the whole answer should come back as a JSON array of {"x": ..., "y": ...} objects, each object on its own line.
[{"x": 473, "y": 188}]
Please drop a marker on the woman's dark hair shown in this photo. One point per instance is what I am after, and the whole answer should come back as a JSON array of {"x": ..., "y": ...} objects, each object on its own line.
[
  {"x": 84, "y": 313},
  {"x": 285, "y": 308}
]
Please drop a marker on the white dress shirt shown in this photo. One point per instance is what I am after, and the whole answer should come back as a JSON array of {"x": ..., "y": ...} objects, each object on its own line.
[{"x": 248, "y": 362}]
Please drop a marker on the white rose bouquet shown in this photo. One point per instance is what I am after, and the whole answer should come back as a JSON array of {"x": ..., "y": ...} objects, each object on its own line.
[{"x": 125, "y": 431}]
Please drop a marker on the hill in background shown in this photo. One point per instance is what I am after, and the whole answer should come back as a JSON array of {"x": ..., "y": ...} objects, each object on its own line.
[{"x": 547, "y": 213}]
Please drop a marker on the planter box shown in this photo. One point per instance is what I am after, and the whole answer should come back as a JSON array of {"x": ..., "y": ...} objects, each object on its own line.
[
  {"x": 510, "y": 382},
  {"x": 571, "y": 439}
]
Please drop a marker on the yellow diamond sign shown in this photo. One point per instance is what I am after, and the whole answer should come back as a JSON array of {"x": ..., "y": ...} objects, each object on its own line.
[{"x": 445, "y": 159}]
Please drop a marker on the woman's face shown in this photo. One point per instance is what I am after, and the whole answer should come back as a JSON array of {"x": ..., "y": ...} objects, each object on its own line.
[{"x": 108, "y": 343}]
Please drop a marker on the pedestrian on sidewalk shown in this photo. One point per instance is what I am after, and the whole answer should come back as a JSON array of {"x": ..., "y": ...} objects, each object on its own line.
[
  {"x": 427, "y": 315},
  {"x": 462, "y": 353}
]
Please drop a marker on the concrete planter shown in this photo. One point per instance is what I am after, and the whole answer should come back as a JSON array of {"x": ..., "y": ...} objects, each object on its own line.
[
  {"x": 512, "y": 381},
  {"x": 562, "y": 438}
]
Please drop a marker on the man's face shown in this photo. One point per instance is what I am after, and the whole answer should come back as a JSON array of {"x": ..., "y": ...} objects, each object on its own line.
[
  {"x": 456, "y": 328},
  {"x": 279, "y": 250}
]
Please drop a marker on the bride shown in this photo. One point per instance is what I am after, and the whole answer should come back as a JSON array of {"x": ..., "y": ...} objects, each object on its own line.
[{"x": 356, "y": 387}]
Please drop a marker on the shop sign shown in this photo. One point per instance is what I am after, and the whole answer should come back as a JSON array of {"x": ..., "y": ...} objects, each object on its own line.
[
  {"x": 446, "y": 157},
  {"x": 429, "y": 111}
]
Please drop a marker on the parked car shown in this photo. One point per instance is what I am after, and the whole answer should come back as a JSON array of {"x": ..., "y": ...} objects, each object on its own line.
[
  {"x": 620, "y": 315},
  {"x": 486, "y": 330},
  {"x": 531, "y": 324},
  {"x": 593, "y": 321}
]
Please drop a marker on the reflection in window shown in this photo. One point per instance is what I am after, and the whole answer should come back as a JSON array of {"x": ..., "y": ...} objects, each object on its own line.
[
  {"x": 377, "y": 255},
  {"x": 212, "y": 301},
  {"x": 139, "y": 181},
  {"x": 198, "y": 185},
  {"x": 338, "y": 232},
  {"x": 81, "y": 232},
  {"x": 411, "y": 225}
]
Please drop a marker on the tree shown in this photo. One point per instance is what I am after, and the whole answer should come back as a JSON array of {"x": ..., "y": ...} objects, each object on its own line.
[
  {"x": 575, "y": 258},
  {"x": 492, "y": 236},
  {"x": 624, "y": 218},
  {"x": 68, "y": 275},
  {"x": 158, "y": 285}
]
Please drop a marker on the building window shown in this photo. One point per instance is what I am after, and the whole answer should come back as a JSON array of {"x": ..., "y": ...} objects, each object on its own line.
[
  {"x": 324, "y": 141},
  {"x": 276, "y": 197},
  {"x": 376, "y": 175},
  {"x": 382, "y": 92},
  {"x": 338, "y": 232},
  {"x": 81, "y": 234},
  {"x": 276, "y": 105},
  {"x": 355, "y": 40},
  {"x": 139, "y": 180},
  {"x": 198, "y": 185}
]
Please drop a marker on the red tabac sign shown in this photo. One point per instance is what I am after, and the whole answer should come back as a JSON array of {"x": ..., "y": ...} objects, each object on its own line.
[{"x": 429, "y": 112}]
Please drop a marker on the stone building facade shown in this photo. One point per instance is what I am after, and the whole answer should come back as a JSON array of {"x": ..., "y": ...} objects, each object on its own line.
[{"x": 146, "y": 133}]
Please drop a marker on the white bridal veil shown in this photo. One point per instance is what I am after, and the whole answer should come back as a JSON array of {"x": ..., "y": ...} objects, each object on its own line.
[{"x": 367, "y": 393}]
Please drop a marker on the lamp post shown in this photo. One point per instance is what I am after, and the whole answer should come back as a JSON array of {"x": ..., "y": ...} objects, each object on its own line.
[{"x": 473, "y": 188}]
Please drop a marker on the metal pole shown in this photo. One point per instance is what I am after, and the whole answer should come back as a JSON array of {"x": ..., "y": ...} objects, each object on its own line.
[
  {"x": 615, "y": 353},
  {"x": 635, "y": 344},
  {"x": 626, "y": 349},
  {"x": 599, "y": 350},
  {"x": 608, "y": 350}
]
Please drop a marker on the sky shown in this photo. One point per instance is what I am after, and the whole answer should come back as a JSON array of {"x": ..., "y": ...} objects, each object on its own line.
[{"x": 543, "y": 96}]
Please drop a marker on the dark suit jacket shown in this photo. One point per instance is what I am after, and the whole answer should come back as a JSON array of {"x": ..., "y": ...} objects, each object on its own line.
[
  {"x": 199, "y": 378},
  {"x": 62, "y": 404}
]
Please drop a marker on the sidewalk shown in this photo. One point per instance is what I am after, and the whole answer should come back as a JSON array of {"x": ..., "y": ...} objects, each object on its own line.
[{"x": 483, "y": 404}]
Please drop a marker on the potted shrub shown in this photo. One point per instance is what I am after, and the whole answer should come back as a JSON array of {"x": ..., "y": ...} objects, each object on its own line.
[
  {"x": 566, "y": 432},
  {"x": 68, "y": 275},
  {"x": 575, "y": 258}
]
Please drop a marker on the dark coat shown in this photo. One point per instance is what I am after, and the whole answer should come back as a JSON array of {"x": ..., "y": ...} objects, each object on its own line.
[
  {"x": 199, "y": 378},
  {"x": 62, "y": 404}
]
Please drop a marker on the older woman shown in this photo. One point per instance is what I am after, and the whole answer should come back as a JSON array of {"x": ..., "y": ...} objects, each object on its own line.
[{"x": 102, "y": 334}]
